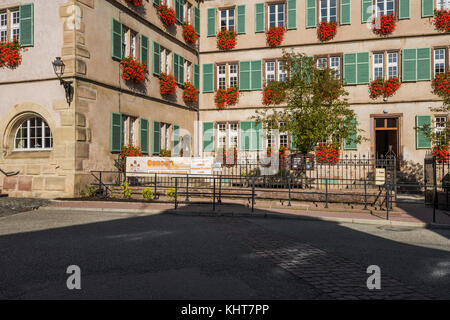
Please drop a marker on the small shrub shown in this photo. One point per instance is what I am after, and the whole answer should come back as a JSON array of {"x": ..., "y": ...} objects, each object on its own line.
[
  {"x": 171, "y": 194},
  {"x": 126, "y": 190},
  {"x": 147, "y": 194},
  {"x": 89, "y": 192}
]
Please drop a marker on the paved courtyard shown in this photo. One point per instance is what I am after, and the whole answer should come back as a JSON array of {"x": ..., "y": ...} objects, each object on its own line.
[{"x": 169, "y": 256}]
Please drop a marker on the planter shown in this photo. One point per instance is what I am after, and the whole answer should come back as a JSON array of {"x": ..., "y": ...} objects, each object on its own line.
[
  {"x": 441, "y": 153},
  {"x": 442, "y": 20},
  {"x": 132, "y": 70},
  {"x": 226, "y": 39},
  {"x": 326, "y": 31},
  {"x": 190, "y": 93},
  {"x": 275, "y": 36},
  {"x": 168, "y": 85},
  {"x": 10, "y": 54},
  {"x": 128, "y": 151},
  {"x": 441, "y": 84},
  {"x": 135, "y": 3},
  {"x": 274, "y": 93},
  {"x": 384, "y": 25},
  {"x": 232, "y": 96},
  {"x": 167, "y": 15},
  {"x": 327, "y": 154},
  {"x": 384, "y": 88},
  {"x": 226, "y": 97},
  {"x": 376, "y": 88},
  {"x": 189, "y": 34}
]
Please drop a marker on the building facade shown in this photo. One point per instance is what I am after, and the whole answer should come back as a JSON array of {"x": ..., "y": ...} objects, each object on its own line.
[{"x": 92, "y": 36}]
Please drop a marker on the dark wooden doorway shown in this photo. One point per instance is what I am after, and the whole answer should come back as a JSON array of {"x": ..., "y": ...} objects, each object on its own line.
[{"x": 386, "y": 136}]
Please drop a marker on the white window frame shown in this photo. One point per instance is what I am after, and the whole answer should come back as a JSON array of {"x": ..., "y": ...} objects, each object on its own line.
[
  {"x": 282, "y": 73},
  {"x": 282, "y": 135},
  {"x": 442, "y": 4},
  {"x": 187, "y": 71},
  {"x": 233, "y": 134},
  {"x": 227, "y": 19},
  {"x": 439, "y": 61},
  {"x": 378, "y": 65},
  {"x": 276, "y": 22},
  {"x": 440, "y": 128},
  {"x": 320, "y": 61},
  {"x": 221, "y": 135},
  {"x": 333, "y": 66},
  {"x": 133, "y": 36},
  {"x": 221, "y": 76},
  {"x": 233, "y": 75},
  {"x": 15, "y": 26},
  {"x": 271, "y": 73},
  {"x": 43, "y": 137},
  {"x": 166, "y": 60},
  {"x": 3, "y": 26},
  {"x": 392, "y": 64},
  {"x": 328, "y": 17},
  {"x": 380, "y": 12}
]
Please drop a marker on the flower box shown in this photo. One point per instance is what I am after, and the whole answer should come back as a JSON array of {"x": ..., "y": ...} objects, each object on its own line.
[
  {"x": 128, "y": 151},
  {"x": 189, "y": 34},
  {"x": 442, "y": 20},
  {"x": 226, "y": 39},
  {"x": 226, "y": 97},
  {"x": 132, "y": 70},
  {"x": 441, "y": 153},
  {"x": 168, "y": 85},
  {"x": 275, "y": 36},
  {"x": 167, "y": 15},
  {"x": 384, "y": 25},
  {"x": 326, "y": 153},
  {"x": 386, "y": 88},
  {"x": 441, "y": 84},
  {"x": 135, "y": 3},
  {"x": 190, "y": 93},
  {"x": 326, "y": 30},
  {"x": 10, "y": 54}
]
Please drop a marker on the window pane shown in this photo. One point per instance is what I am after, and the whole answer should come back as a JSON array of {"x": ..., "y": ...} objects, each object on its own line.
[
  {"x": 392, "y": 123},
  {"x": 379, "y": 122}
]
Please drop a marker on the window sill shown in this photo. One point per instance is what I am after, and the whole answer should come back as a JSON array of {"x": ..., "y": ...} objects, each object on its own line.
[{"x": 29, "y": 154}]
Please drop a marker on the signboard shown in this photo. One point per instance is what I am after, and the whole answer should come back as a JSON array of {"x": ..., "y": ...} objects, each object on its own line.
[
  {"x": 137, "y": 166},
  {"x": 380, "y": 176}
]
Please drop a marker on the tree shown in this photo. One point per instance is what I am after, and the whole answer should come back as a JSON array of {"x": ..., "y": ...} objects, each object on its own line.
[
  {"x": 317, "y": 109},
  {"x": 441, "y": 87}
]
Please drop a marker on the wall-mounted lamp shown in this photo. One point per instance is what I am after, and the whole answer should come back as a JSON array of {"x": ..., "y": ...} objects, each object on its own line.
[{"x": 58, "y": 67}]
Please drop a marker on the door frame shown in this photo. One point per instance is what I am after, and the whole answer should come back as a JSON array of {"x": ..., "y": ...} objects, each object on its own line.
[{"x": 399, "y": 117}]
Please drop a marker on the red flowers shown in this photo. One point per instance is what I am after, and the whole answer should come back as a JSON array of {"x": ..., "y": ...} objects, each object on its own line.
[
  {"x": 190, "y": 93},
  {"x": 135, "y": 3},
  {"x": 274, "y": 93},
  {"x": 225, "y": 97},
  {"x": 130, "y": 151},
  {"x": 326, "y": 30},
  {"x": 442, "y": 20},
  {"x": 167, "y": 15},
  {"x": 189, "y": 34},
  {"x": 384, "y": 25},
  {"x": 274, "y": 36},
  {"x": 167, "y": 84},
  {"x": 226, "y": 39},
  {"x": 326, "y": 153},
  {"x": 441, "y": 84},
  {"x": 132, "y": 70},
  {"x": 386, "y": 88},
  {"x": 10, "y": 54},
  {"x": 441, "y": 153}
]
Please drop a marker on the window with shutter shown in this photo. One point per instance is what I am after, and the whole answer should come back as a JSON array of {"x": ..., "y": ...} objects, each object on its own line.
[
  {"x": 245, "y": 135},
  {"x": 211, "y": 24},
  {"x": 241, "y": 19},
  {"x": 404, "y": 9},
  {"x": 363, "y": 68},
  {"x": 366, "y": 10},
  {"x": 208, "y": 77},
  {"x": 311, "y": 13},
  {"x": 197, "y": 19},
  {"x": 427, "y": 8},
  {"x": 350, "y": 142},
  {"x": 259, "y": 17},
  {"x": 176, "y": 140},
  {"x": 180, "y": 70},
  {"x": 423, "y": 64},
  {"x": 244, "y": 75},
  {"x": 143, "y": 139},
  {"x": 156, "y": 145},
  {"x": 116, "y": 39},
  {"x": 197, "y": 76},
  {"x": 156, "y": 58},
  {"x": 26, "y": 29},
  {"x": 291, "y": 14},
  {"x": 176, "y": 67},
  {"x": 423, "y": 126},
  {"x": 416, "y": 64},
  {"x": 116, "y": 132},
  {"x": 256, "y": 75},
  {"x": 208, "y": 136},
  {"x": 350, "y": 68},
  {"x": 144, "y": 49},
  {"x": 345, "y": 12}
]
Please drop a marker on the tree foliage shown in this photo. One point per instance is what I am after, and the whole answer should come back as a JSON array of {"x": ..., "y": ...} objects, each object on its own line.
[{"x": 316, "y": 110}]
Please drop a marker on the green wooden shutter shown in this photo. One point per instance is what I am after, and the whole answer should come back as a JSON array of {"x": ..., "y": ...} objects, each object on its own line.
[
  {"x": 197, "y": 76},
  {"x": 257, "y": 136},
  {"x": 350, "y": 143},
  {"x": 427, "y": 8},
  {"x": 116, "y": 39},
  {"x": 423, "y": 64},
  {"x": 156, "y": 145},
  {"x": 362, "y": 70},
  {"x": 180, "y": 11},
  {"x": 245, "y": 135},
  {"x": 181, "y": 70},
  {"x": 293, "y": 143},
  {"x": 208, "y": 136},
  {"x": 403, "y": 9},
  {"x": 143, "y": 135},
  {"x": 197, "y": 19},
  {"x": 176, "y": 139},
  {"x": 156, "y": 58},
  {"x": 423, "y": 141},
  {"x": 409, "y": 65},
  {"x": 208, "y": 77},
  {"x": 175, "y": 66},
  {"x": 310, "y": 13},
  {"x": 259, "y": 17},
  {"x": 366, "y": 10},
  {"x": 26, "y": 31},
  {"x": 144, "y": 49},
  {"x": 256, "y": 75},
  {"x": 244, "y": 75},
  {"x": 345, "y": 12},
  {"x": 156, "y": 2},
  {"x": 241, "y": 19},
  {"x": 292, "y": 14},
  {"x": 211, "y": 14},
  {"x": 350, "y": 68},
  {"x": 116, "y": 132}
]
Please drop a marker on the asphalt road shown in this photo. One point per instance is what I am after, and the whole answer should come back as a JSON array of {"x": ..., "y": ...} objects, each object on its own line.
[{"x": 129, "y": 256}]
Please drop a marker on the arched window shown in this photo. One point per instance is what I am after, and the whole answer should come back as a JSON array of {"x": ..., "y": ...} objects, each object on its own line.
[{"x": 33, "y": 134}]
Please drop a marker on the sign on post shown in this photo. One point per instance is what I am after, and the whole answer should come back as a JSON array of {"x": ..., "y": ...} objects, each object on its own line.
[
  {"x": 139, "y": 166},
  {"x": 380, "y": 176}
]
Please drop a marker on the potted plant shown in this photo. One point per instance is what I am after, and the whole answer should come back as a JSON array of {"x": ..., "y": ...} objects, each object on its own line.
[
  {"x": 326, "y": 30},
  {"x": 226, "y": 39},
  {"x": 274, "y": 36},
  {"x": 132, "y": 70},
  {"x": 10, "y": 54}
]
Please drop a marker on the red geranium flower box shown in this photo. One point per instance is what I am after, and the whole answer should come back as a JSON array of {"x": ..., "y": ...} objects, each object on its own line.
[
  {"x": 232, "y": 96},
  {"x": 327, "y": 154},
  {"x": 226, "y": 97},
  {"x": 384, "y": 25},
  {"x": 442, "y": 20},
  {"x": 10, "y": 54},
  {"x": 167, "y": 15},
  {"x": 132, "y": 70},
  {"x": 441, "y": 153},
  {"x": 274, "y": 93},
  {"x": 391, "y": 86},
  {"x": 326, "y": 30},
  {"x": 167, "y": 84},
  {"x": 275, "y": 36},
  {"x": 226, "y": 39},
  {"x": 189, "y": 34},
  {"x": 441, "y": 84},
  {"x": 376, "y": 88},
  {"x": 190, "y": 93},
  {"x": 135, "y": 3}
]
